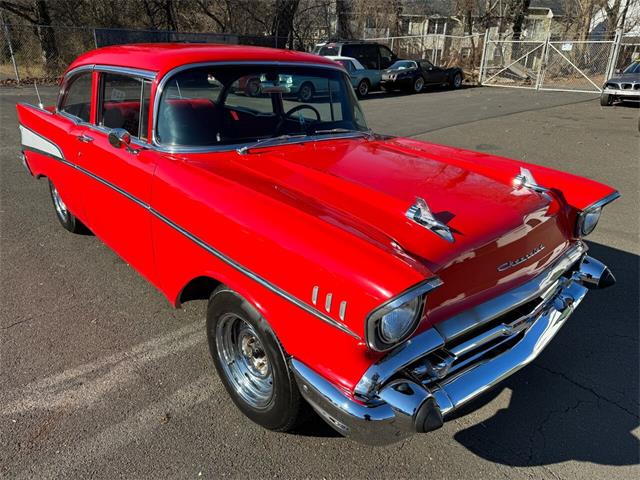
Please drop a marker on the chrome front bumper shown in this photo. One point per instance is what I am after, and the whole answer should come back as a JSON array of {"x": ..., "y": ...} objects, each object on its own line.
[
  {"x": 620, "y": 92},
  {"x": 390, "y": 404}
]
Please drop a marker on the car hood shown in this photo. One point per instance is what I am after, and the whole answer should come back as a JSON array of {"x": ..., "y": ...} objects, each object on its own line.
[
  {"x": 366, "y": 187},
  {"x": 626, "y": 77}
]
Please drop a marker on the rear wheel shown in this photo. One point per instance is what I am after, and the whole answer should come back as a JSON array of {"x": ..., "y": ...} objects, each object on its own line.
[
  {"x": 251, "y": 363},
  {"x": 606, "y": 100},
  {"x": 363, "y": 88},
  {"x": 67, "y": 219},
  {"x": 306, "y": 91}
]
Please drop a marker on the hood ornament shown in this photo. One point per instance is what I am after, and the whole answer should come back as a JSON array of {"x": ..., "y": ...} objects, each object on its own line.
[
  {"x": 526, "y": 180},
  {"x": 420, "y": 213}
]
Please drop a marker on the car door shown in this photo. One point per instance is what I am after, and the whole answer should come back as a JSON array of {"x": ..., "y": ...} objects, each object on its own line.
[
  {"x": 432, "y": 74},
  {"x": 117, "y": 199}
]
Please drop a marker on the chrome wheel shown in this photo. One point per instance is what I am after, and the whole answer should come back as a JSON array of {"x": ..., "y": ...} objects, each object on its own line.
[
  {"x": 457, "y": 81},
  {"x": 60, "y": 206},
  {"x": 363, "y": 88},
  {"x": 306, "y": 92},
  {"x": 418, "y": 85},
  {"x": 244, "y": 360}
]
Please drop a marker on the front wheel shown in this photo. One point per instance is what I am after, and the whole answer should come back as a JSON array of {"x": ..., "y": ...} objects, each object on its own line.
[
  {"x": 456, "y": 83},
  {"x": 67, "y": 219},
  {"x": 251, "y": 363},
  {"x": 606, "y": 100},
  {"x": 306, "y": 92}
]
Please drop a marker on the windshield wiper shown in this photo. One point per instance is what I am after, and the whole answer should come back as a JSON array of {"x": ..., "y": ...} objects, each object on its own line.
[
  {"x": 367, "y": 133},
  {"x": 265, "y": 142}
]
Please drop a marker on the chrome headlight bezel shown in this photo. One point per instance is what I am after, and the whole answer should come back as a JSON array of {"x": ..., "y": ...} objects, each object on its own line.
[
  {"x": 589, "y": 217},
  {"x": 373, "y": 323}
]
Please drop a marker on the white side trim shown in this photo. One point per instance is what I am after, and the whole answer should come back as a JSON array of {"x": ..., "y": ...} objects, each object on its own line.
[{"x": 38, "y": 142}]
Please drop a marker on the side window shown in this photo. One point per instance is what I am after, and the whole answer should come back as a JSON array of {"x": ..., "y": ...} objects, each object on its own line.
[
  {"x": 386, "y": 57},
  {"x": 426, "y": 64},
  {"x": 370, "y": 59},
  {"x": 123, "y": 99},
  {"x": 351, "y": 51},
  {"x": 77, "y": 97}
]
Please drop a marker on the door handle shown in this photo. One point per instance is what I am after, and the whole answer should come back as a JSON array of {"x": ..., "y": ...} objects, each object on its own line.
[{"x": 85, "y": 138}]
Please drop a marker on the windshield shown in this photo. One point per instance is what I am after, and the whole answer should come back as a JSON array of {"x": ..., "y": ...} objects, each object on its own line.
[
  {"x": 633, "y": 68},
  {"x": 402, "y": 65},
  {"x": 227, "y": 105}
]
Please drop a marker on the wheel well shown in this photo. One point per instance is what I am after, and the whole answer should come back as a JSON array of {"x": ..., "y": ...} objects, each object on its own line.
[{"x": 199, "y": 288}]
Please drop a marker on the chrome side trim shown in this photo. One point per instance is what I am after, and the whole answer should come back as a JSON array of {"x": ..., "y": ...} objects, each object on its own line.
[
  {"x": 223, "y": 148},
  {"x": 132, "y": 72},
  {"x": 218, "y": 254}
]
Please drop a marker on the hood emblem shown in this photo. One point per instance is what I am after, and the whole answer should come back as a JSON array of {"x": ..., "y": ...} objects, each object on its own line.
[
  {"x": 518, "y": 261},
  {"x": 526, "y": 180},
  {"x": 420, "y": 213}
]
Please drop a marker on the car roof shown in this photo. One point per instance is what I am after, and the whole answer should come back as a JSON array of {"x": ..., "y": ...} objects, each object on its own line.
[{"x": 163, "y": 57}]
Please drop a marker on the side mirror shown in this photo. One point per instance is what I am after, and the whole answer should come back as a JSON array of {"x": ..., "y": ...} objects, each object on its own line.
[
  {"x": 119, "y": 137},
  {"x": 618, "y": 71}
]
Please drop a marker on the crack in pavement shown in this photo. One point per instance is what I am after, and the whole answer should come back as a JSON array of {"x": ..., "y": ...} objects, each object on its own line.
[{"x": 588, "y": 389}]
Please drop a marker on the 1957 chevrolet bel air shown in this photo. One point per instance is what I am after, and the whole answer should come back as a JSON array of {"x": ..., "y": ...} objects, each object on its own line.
[{"x": 384, "y": 281}]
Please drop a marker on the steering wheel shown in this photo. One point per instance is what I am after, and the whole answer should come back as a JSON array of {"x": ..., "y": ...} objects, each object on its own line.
[
  {"x": 302, "y": 107},
  {"x": 295, "y": 109}
]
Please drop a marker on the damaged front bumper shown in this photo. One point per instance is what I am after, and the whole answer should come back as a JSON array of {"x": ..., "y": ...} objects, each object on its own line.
[{"x": 422, "y": 382}]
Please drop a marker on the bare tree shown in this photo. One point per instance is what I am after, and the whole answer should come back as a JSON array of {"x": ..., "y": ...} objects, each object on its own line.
[{"x": 282, "y": 27}]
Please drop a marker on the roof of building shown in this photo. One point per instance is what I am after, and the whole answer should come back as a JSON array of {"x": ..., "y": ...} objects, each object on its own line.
[{"x": 163, "y": 57}]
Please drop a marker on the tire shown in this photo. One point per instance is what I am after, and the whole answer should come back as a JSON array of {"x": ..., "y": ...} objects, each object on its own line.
[
  {"x": 67, "y": 219},
  {"x": 456, "y": 82},
  {"x": 243, "y": 346},
  {"x": 418, "y": 85},
  {"x": 363, "y": 88},
  {"x": 305, "y": 94},
  {"x": 606, "y": 100}
]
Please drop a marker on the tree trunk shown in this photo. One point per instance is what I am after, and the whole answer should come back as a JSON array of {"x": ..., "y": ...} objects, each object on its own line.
[
  {"x": 519, "y": 14},
  {"x": 50, "y": 54},
  {"x": 343, "y": 14},
  {"x": 282, "y": 28}
]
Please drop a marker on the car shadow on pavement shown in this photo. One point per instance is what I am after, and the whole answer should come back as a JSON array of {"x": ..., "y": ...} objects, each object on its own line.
[{"x": 579, "y": 399}]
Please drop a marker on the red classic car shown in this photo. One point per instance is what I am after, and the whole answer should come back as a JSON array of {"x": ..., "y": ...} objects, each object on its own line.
[{"x": 384, "y": 281}]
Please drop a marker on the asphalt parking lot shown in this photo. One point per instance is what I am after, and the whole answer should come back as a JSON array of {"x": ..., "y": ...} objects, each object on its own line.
[{"x": 101, "y": 378}]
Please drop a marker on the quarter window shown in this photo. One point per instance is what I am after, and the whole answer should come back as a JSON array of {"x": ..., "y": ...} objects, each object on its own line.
[
  {"x": 125, "y": 104},
  {"x": 77, "y": 97}
]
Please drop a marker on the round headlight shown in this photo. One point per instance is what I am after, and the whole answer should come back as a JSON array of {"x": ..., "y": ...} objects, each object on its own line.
[
  {"x": 588, "y": 221},
  {"x": 400, "y": 321}
]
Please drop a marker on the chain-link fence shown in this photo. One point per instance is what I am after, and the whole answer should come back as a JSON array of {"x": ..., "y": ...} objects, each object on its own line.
[
  {"x": 443, "y": 50},
  {"x": 564, "y": 65}
]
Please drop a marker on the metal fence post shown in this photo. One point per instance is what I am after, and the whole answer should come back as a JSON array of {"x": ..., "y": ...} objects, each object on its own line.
[
  {"x": 95, "y": 38},
  {"x": 8, "y": 38},
  {"x": 613, "y": 55},
  {"x": 543, "y": 61},
  {"x": 485, "y": 45}
]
